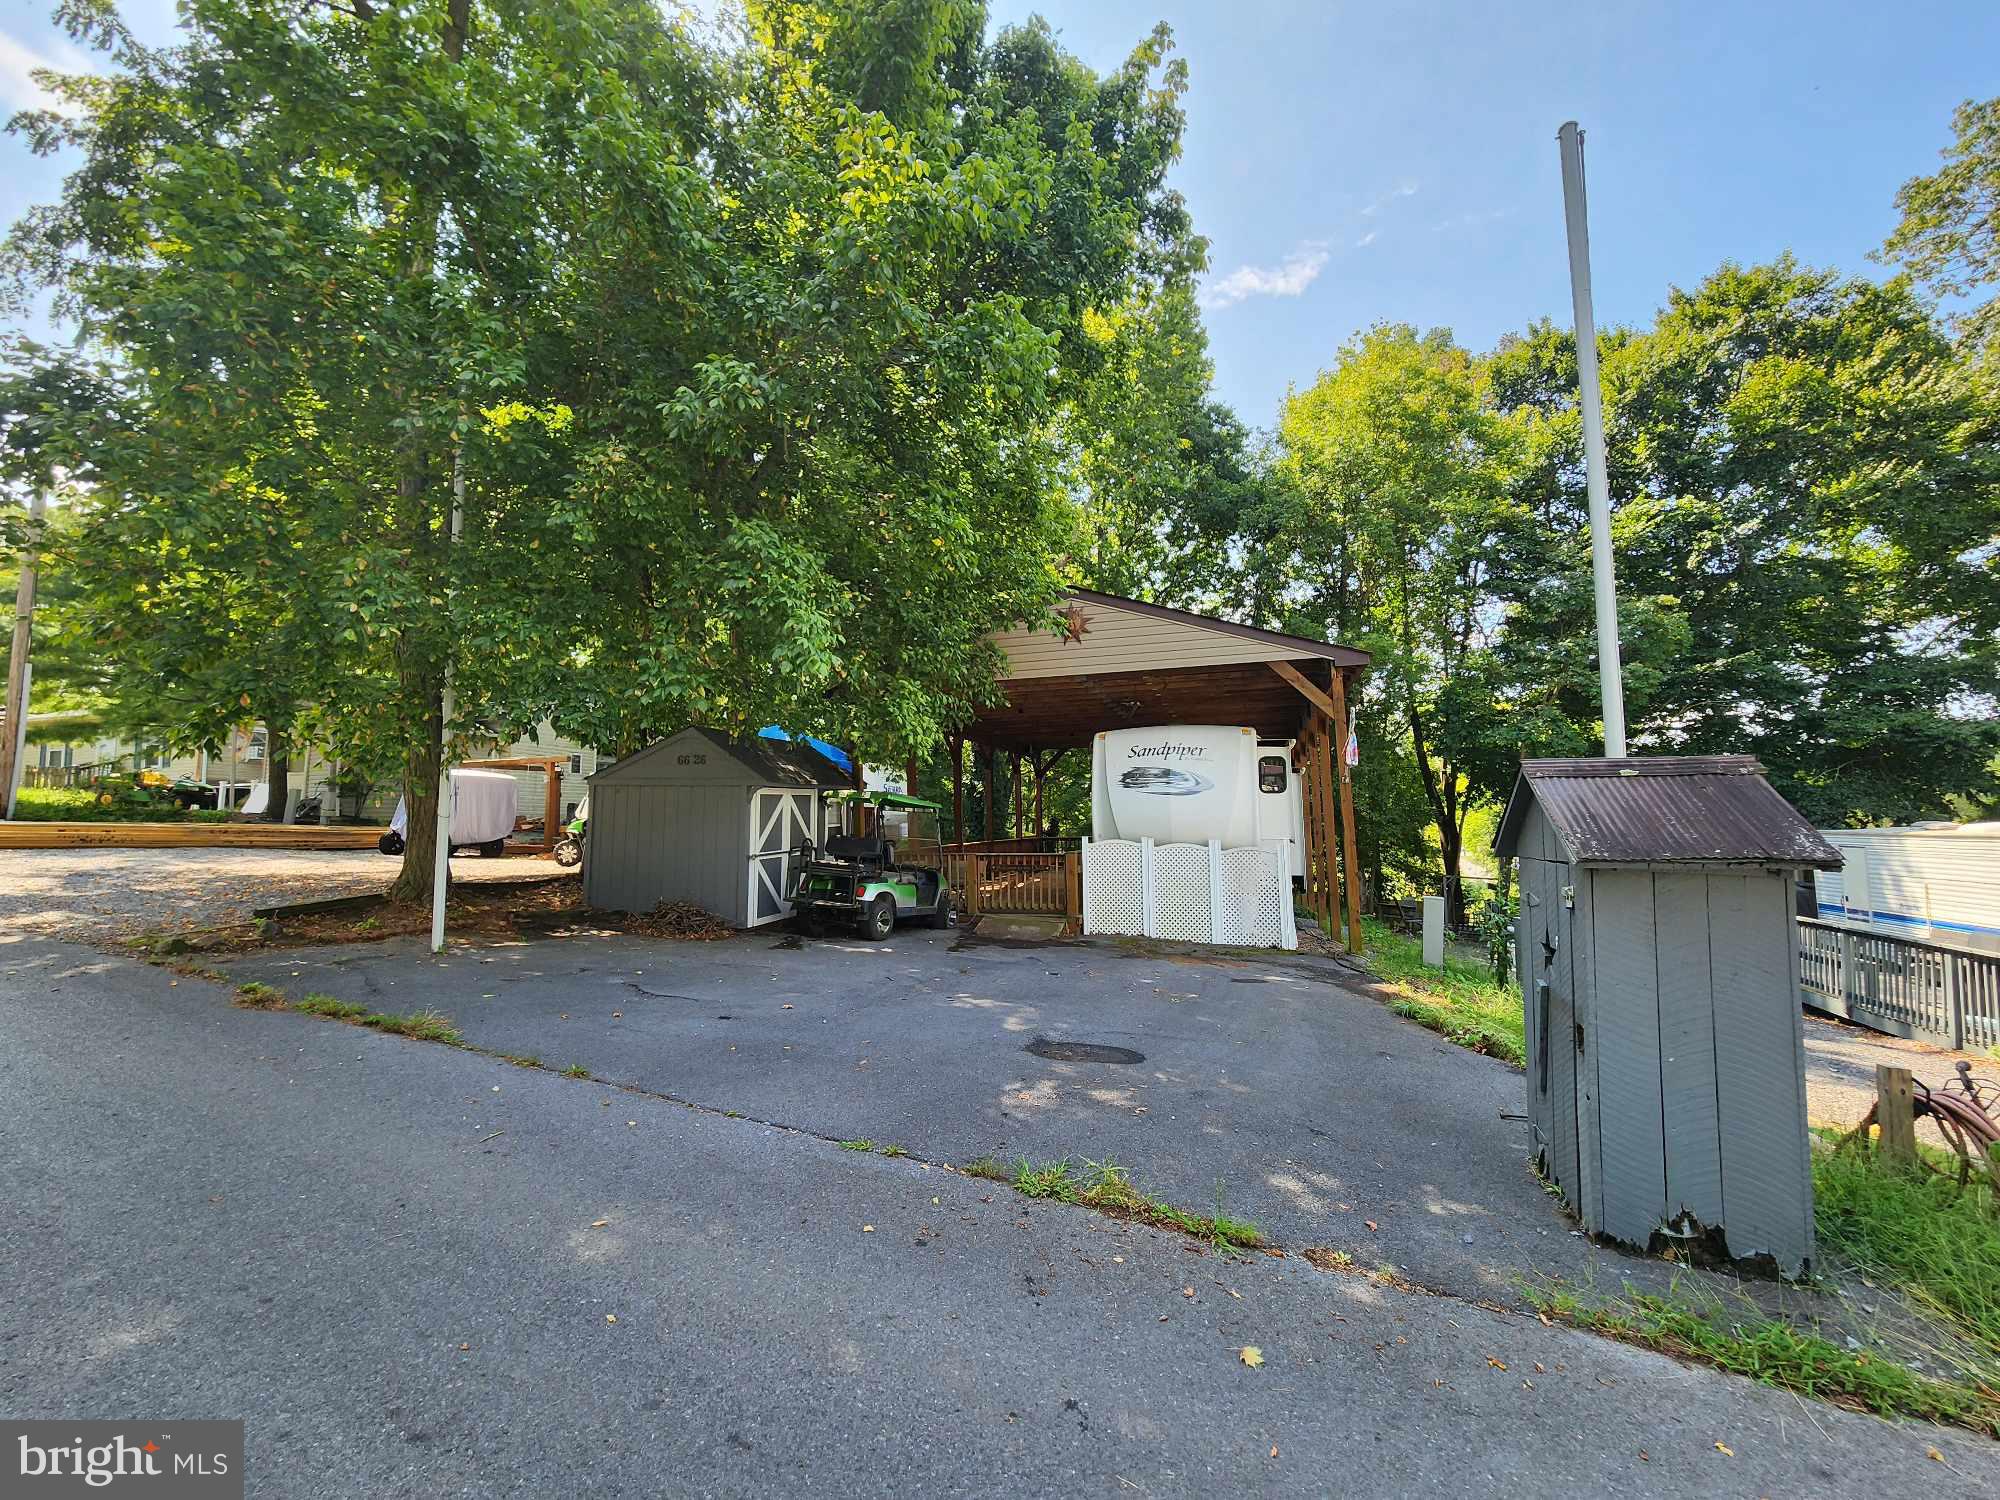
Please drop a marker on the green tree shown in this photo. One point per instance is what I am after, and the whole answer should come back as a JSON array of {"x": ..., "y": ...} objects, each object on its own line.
[
  {"x": 1949, "y": 235},
  {"x": 1394, "y": 465},
  {"x": 1807, "y": 482},
  {"x": 745, "y": 359}
]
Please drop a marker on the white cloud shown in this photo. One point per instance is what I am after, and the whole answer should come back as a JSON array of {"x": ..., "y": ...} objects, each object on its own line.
[
  {"x": 1404, "y": 189},
  {"x": 1290, "y": 279},
  {"x": 18, "y": 60},
  {"x": 1365, "y": 240}
]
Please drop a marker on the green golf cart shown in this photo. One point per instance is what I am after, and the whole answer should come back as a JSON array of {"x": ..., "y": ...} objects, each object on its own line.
[{"x": 872, "y": 879}]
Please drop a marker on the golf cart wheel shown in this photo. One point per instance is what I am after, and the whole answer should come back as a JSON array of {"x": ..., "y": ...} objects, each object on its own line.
[
  {"x": 941, "y": 918},
  {"x": 880, "y": 918},
  {"x": 493, "y": 848},
  {"x": 390, "y": 843},
  {"x": 569, "y": 853}
]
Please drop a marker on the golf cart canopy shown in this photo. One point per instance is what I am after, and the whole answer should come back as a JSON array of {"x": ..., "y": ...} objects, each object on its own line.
[{"x": 888, "y": 799}]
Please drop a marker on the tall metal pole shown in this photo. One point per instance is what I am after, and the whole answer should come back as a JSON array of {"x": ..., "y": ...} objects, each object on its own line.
[
  {"x": 1610, "y": 677},
  {"x": 15, "y": 749},
  {"x": 441, "y": 859}
]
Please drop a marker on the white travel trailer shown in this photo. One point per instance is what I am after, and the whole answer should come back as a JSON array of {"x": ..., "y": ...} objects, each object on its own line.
[
  {"x": 1189, "y": 783},
  {"x": 1939, "y": 883}
]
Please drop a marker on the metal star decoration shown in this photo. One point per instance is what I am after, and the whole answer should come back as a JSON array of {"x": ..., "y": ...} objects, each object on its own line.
[
  {"x": 1076, "y": 624},
  {"x": 1548, "y": 950}
]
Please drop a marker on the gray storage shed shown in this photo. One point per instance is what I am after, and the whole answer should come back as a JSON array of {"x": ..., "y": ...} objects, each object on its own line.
[
  {"x": 1659, "y": 966},
  {"x": 705, "y": 818}
]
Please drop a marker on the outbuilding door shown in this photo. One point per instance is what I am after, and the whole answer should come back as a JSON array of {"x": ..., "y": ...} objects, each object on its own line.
[{"x": 779, "y": 822}]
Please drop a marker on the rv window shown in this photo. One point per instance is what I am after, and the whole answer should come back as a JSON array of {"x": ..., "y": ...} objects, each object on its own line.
[{"x": 1271, "y": 773}]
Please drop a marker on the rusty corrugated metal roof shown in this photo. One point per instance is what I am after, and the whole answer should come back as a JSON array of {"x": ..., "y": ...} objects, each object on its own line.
[{"x": 1667, "y": 809}]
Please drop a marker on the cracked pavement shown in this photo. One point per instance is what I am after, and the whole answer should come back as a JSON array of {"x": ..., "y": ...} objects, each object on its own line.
[{"x": 417, "y": 1270}]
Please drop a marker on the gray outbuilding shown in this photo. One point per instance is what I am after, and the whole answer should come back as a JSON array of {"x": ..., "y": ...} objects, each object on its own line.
[
  {"x": 1658, "y": 956},
  {"x": 705, "y": 818}
]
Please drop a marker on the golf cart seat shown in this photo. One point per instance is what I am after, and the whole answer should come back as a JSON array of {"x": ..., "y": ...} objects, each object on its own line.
[{"x": 862, "y": 851}]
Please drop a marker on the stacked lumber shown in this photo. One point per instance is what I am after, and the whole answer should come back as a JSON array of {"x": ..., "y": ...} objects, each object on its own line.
[{"x": 183, "y": 836}]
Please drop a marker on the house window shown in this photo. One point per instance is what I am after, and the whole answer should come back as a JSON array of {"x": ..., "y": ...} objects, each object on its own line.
[
  {"x": 61, "y": 757},
  {"x": 576, "y": 765},
  {"x": 255, "y": 749},
  {"x": 151, "y": 757}
]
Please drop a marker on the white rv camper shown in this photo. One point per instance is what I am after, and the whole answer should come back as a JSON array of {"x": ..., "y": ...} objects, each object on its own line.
[
  {"x": 1938, "y": 884},
  {"x": 1189, "y": 783}
]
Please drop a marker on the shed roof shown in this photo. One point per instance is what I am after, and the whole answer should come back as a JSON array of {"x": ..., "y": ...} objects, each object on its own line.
[
  {"x": 766, "y": 762},
  {"x": 1668, "y": 809}
]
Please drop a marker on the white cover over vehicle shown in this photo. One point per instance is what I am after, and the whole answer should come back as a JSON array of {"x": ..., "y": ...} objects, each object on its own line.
[
  {"x": 1175, "y": 784},
  {"x": 483, "y": 807}
]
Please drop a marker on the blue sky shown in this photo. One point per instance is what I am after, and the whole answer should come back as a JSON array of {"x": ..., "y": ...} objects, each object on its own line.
[{"x": 1355, "y": 162}]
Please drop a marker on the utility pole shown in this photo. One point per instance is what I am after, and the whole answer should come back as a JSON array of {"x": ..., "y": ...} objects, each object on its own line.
[
  {"x": 14, "y": 750},
  {"x": 1610, "y": 674},
  {"x": 441, "y": 860}
]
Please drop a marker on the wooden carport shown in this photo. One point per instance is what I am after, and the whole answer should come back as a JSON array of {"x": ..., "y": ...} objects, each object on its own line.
[{"x": 1116, "y": 663}]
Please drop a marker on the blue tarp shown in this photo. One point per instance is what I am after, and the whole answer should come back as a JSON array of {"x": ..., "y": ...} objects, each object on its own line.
[{"x": 832, "y": 752}]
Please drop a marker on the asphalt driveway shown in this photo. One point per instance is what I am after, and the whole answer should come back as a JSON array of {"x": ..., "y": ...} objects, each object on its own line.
[
  {"x": 415, "y": 1270},
  {"x": 1264, "y": 1087}
]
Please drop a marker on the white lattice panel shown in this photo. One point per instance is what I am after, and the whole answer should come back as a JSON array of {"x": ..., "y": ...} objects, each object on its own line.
[
  {"x": 1254, "y": 909},
  {"x": 1113, "y": 894},
  {"x": 1182, "y": 899}
]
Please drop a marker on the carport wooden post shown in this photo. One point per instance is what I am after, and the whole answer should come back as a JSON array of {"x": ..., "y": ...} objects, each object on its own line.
[
  {"x": 956, "y": 743},
  {"x": 1015, "y": 768},
  {"x": 551, "y": 808},
  {"x": 1347, "y": 812},
  {"x": 1305, "y": 805},
  {"x": 987, "y": 756},
  {"x": 1320, "y": 858},
  {"x": 1329, "y": 837}
]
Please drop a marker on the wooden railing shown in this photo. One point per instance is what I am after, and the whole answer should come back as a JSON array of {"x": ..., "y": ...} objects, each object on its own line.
[
  {"x": 1054, "y": 843},
  {"x": 1903, "y": 986},
  {"x": 1014, "y": 881}
]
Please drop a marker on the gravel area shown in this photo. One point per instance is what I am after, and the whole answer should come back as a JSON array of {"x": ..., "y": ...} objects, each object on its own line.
[
  {"x": 1841, "y": 1062},
  {"x": 93, "y": 894}
]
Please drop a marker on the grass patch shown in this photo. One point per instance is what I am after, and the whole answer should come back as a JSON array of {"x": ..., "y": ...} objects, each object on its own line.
[
  {"x": 1775, "y": 1353},
  {"x": 521, "y": 1059},
  {"x": 423, "y": 1025},
  {"x": 116, "y": 801},
  {"x": 989, "y": 1167},
  {"x": 326, "y": 1005},
  {"x": 576, "y": 1070},
  {"x": 863, "y": 1145},
  {"x": 1461, "y": 1002},
  {"x": 1936, "y": 1243},
  {"x": 256, "y": 996},
  {"x": 894, "y": 1151},
  {"x": 1107, "y": 1187}
]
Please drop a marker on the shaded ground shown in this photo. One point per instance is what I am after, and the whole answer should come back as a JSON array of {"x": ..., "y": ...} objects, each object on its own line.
[
  {"x": 95, "y": 894},
  {"x": 1268, "y": 1090},
  {"x": 414, "y": 1270}
]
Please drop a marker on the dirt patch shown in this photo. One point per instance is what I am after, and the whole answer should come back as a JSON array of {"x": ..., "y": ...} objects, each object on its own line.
[
  {"x": 490, "y": 912},
  {"x": 677, "y": 919}
]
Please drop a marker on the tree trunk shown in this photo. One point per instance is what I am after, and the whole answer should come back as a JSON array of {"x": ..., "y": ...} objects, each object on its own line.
[
  {"x": 1441, "y": 792},
  {"x": 277, "y": 772},
  {"x": 421, "y": 683}
]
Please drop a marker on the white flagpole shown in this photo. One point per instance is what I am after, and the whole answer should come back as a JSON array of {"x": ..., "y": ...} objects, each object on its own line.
[
  {"x": 1610, "y": 677},
  {"x": 441, "y": 860}
]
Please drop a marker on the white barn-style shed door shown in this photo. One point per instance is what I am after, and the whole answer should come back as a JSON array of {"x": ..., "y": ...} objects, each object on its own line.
[{"x": 779, "y": 822}]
